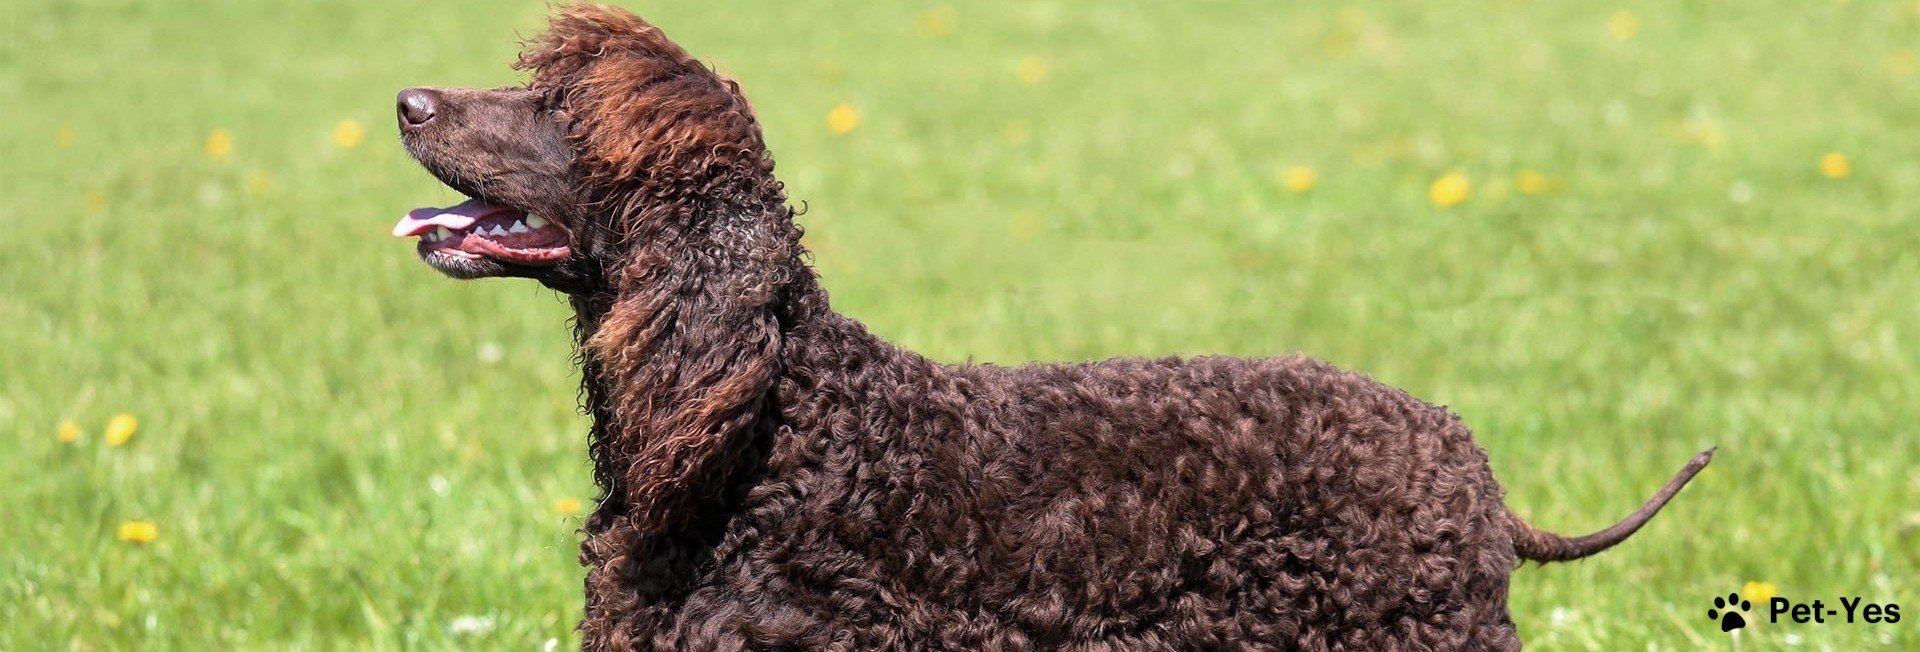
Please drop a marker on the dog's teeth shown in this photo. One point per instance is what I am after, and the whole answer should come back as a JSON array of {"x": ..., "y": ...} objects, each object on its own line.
[
  {"x": 518, "y": 227},
  {"x": 497, "y": 231},
  {"x": 535, "y": 221},
  {"x": 443, "y": 233}
]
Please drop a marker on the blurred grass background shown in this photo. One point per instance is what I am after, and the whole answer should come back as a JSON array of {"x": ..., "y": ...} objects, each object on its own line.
[{"x": 1655, "y": 250}]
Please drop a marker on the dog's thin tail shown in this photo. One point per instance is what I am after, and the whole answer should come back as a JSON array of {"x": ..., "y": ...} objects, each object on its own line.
[{"x": 1543, "y": 546}]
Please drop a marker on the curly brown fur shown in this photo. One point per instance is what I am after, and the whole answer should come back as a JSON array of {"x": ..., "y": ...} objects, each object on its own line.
[{"x": 777, "y": 477}]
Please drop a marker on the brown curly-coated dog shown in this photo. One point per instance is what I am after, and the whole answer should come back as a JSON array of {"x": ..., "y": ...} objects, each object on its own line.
[{"x": 777, "y": 477}]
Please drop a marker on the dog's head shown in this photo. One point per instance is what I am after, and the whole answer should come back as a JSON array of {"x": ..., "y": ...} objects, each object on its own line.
[
  {"x": 633, "y": 177},
  {"x": 618, "y": 134}
]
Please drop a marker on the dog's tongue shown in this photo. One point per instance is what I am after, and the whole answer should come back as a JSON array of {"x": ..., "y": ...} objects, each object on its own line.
[{"x": 457, "y": 217}]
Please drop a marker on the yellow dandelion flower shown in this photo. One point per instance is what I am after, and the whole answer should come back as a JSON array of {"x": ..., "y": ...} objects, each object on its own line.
[
  {"x": 219, "y": 144},
  {"x": 842, "y": 119},
  {"x": 936, "y": 22},
  {"x": 1759, "y": 592},
  {"x": 1623, "y": 25},
  {"x": 1902, "y": 63},
  {"x": 120, "y": 429},
  {"x": 1016, "y": 131},
  {"x": 137, "y": 531},
  {"x": 1532, "y": 182},
  {"x": 1299, "y": 178},
  {"x": 568, "y": 506},
  {"x": 64, "y": 134},
  {"x": 96, "y": 199},
  {"x": 1030, "y": 70},
  {"x": 69, "y": 432},
  {"x": 348, "y": 134},
  {"x": 1449, "y": 190},
  {"x": 1835, "y": 166}
]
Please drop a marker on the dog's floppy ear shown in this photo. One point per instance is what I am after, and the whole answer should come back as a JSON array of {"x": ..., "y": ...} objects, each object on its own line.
[
  {"x": 681, "y": 365},
  {"x": 687, "y": 367}
]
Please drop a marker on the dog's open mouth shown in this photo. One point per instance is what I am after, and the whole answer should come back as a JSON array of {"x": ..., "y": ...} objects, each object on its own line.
[{"x": 475, "y": 229}]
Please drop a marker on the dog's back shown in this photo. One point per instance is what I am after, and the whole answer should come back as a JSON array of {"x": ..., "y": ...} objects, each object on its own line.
[{"x": 1132, "y": 503}]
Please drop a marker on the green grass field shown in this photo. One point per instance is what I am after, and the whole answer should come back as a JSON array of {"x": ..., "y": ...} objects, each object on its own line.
[{"x": 339, "y": 449}]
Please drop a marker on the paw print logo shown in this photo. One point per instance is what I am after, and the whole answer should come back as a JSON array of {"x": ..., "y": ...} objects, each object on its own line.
[{"x": 1723, "y": 611}]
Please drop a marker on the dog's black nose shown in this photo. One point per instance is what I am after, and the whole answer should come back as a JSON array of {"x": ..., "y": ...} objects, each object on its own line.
[{"x": 415, "y": 107}]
